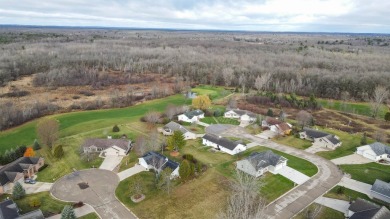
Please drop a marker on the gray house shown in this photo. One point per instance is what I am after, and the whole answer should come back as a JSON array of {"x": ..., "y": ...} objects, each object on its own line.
[
  {"x": 259, "y": 163},
  {"x": 171, "y": 127},
  {"x": 118, "y": 147},
  {"x": 381, "y": 190},
  {"x": 9, "y": 210},
  {"x": 363, "y": 209},
  {"x": 320, "y": 138}
]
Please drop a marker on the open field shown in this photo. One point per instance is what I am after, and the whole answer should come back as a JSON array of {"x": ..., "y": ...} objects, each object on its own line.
[
  {"x": 214, "y": 92},
  {"x": 368, "y": 173},
  {"x": 292, "y": 141},
  {"x": 349, "y": 194},
  {"x": 361, "y": 108},
  {"x": 325, "y": 213}
]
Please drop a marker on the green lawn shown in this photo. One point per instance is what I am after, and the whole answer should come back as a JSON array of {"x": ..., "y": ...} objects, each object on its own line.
[
  {"x": 48, "y": 205},
  {"x": 79, "y": 122},
  {"x": 215, "y": 92},
  {"x": 274, "y": 186},
  {"x": 368, "y": 173},
  {"x": 219, "y": 120},
  {"x": 348, "y": 146},
  {"x": 293, "y": 142},
  {"x": 349, "y": 194},
  {"x": 360, "y": 108},
  {"x": 325, "y": 212},
  {"x": 90, "y": 216}
]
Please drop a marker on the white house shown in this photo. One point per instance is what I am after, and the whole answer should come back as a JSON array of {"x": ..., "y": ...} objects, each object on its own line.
[
  {"x": 361, "y": 208},
  {"x": 169, "y": 128},
  {"x": 158, "y": 162},
  {"x": 375, "y": 151},
  {"x": 320, "y": 138},
  {"x": 242, "y": 115},
  {"x": 223, "y": 144},
  {"x": 277, "y": 126},
  {"x": 118, "y": 147},
  {"x": 259, "y": 163},
  {"x": 192, "y": 116}
]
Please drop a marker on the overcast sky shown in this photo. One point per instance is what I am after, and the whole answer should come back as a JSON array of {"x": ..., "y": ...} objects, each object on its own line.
[{"x": 365, "y": 16}]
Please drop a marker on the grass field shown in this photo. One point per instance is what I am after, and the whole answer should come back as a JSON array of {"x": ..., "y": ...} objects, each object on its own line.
[
  {"x": 325, "y": 212},
  {"x": 215, "y": 92},
  {"x": 349, "y": 194},
  {"x": 293, "y": 142},
  {"x": 368, "y": 173},
  {"x": 219, "y": 120},
  {"x": 274, "y": 186},
  {"x": 90, "y": 216},
  {"x": 360, "y": 108}
]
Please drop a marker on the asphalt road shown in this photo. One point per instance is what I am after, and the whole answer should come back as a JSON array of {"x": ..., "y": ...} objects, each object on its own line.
[{"x": 100, "y": 193}]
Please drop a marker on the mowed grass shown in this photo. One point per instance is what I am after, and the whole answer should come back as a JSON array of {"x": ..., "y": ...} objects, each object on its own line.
[
  {"x": 274, "y": 186},
  {"x": 324, "y": 212},
  {"x": 79, "y": 122},
  {"x": 90, "y": 216},
  {"x": 293, "y": 142},
  {"x": 360, "y": 108},
  {"x": 203, "y": 197},
  {"x": 214, "y": 92},
  {"x": 220, "y": 120},
  {"x": 368, "y": 173},
  {"x": 349, "y": 195}
]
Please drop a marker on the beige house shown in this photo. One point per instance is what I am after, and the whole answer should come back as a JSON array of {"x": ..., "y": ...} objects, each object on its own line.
[
  {"x": 319, "y": 138},
  {"x": 18, "y": 170}
]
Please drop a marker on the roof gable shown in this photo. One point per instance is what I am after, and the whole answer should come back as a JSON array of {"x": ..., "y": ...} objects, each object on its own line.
[
  {"x": 264, "y": 159},
  {"x": 380, "y": 148},
  {"x": 176, "y": 127},
  {"x": 193, "y": 113},
  {"x": 381, "y": 187},
  {"x": 9, "y": 171},
  {"x": 8, "y": 210},
  {"x": 223, "y": 142},
  {"x": 107, "y": 143}
]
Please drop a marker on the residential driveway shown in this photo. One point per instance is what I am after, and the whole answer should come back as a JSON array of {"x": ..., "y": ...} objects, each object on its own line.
[
  {"x": 336, "y": 204},
  {"x": 131, "y": 171},
  {"x": 293, "y": 175},
  {"x": 252, "y": 144},
  {"x": 351, "y": 159},
  {"x": 356, "y": 185},
  {"x": 267, "y": 134},
  {"x": 37, "y": 187},
  {"x": 303, "y": 195},
  {"x": 202, "y": 124},
  {"x": 110, "y": 162},
  {"x": 100, "y": 193},
  {"x": 84, "y": 210},
  {"x": 219, "y": 129},
  {"x": 316, "y": 148}
]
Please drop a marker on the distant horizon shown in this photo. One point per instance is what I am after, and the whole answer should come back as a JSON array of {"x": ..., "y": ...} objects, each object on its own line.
[{"x": 189, "y": 29}]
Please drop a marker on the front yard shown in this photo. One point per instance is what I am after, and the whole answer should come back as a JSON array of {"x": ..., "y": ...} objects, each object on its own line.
[
  {"x": 349, "y": 194},
  {"x": 292, "y": 141},
  {"x": 368, "y": 173},
  {"x": 220, "y": 120},
  {"x": 324, "y": 212}
]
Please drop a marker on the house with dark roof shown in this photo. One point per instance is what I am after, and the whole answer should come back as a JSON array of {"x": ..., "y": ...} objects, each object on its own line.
[
  {"x": 375, "y": 151},
  {"x": 191, "y": 116},
  {"x": 171, "y": 127},
  {"x": 158, "y": 162},
  {"x": 18, "y": 170},
  {"x": 242, "y": 115},
  {"x": 320, "y": 138},
  {"x": 381, "y": 190},
  {"x": 258, "y": 163},
  {"x": 276, "y": 125},
  {"x": 9, "y": 210},
  {"x": 106, "y": 147},
  {"x": 363, "y": 209},
  {"x": 223, "y": 144}
]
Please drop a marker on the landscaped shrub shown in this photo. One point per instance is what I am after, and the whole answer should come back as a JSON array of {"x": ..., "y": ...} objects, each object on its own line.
[
  {"x": 36, "y": 145},
  {"x": 58, "y": 151},
  {"x": 115, "y": 128},
  {"x": 12, "y": 154},
  {"x": 188, "y": 157},
  {"x": 68, "y": 213},
  {"x": 18, "y": 191},
  {"x": 218, "y": 113},
  {"x": 35, "y": 202},
  {"x": 340, "y": 190},
  {"x": 185, "y": 170}
]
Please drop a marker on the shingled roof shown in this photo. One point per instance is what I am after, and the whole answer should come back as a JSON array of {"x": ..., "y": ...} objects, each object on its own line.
[
  {"x": 159, "y": 161},
  {"x": 364, "y": 209},
  {"x": 243, "y": 112},
  {"x": 380, "y": 148},
  {"x": 312, "y": 133},
  {"x": 9, "y": 171},
  {"x": 107, "y": 143},
  {"x": 272, "y": 121},
  {"x": 193, "y": 113},
  {"x": 9, "y": 210},
  {"x": 381, "y": 187},
  {"x": 264, "y": 159},
  {"x": 224, "y": 142},
  {"x": 176, "y": 127}
]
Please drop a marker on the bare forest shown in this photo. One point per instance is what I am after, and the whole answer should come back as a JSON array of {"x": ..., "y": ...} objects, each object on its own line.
[{"x": 44, "y": 70}]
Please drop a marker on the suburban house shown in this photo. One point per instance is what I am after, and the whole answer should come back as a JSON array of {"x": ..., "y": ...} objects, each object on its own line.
[
  {"x": 277, "y": 126},
  {"x": 381, "y": 190},
  {"x": 191, "y": 116},
  {"x": 18, "y": 170},
  {"x": 171, "y": 127},
  {"x": 242, "y": 115},
  {"x": 320, "y": 138},
  {"x": 223, "y": 144},
  {"x": 375, "y": 151},
  {"x": 119, "y": 147},
  {"x": 158, "y": 162},
  {"x": 259, "y": 163},
  {"x": 361, "y": 208},
  {"x": 9, "y": 210}
]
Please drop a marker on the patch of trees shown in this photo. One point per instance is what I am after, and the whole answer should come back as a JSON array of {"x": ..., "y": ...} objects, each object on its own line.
[
  {"x": 12, "y": 154},
  {"x": 284, "y": 101},
  {"x": 190, "y": 167}
]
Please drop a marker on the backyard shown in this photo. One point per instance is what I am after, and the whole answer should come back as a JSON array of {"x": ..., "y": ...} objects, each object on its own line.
[
  {"x": 368, "y": 173},
  {"x": 346, "y": 194},
  {"x": 292, "y": 141}
]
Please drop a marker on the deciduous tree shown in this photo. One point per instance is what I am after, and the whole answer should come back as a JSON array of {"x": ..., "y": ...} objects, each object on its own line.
[
  {"x": 304, "y": 118},
  {"x": 202, "y": 102},
  {"x": 379, "y": 96},
  {"x": 29, "y": 152},
  {"x": 47, "y": 131}
]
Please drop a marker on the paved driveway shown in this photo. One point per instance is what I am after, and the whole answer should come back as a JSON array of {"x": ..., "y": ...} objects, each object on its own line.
[
  {"x": 316, "y": 148},
  {"x": 351, "y": 159},
  {"x": 37, "y": 187},
  {"x": 218, "y": 129},
  {"x": 267, "y": 134},
  {"x": 100, "y": 193},
  {"x": 336, "y": 204},
  {"x": 110, "y": 162},
  {"x": 131, "y": 171},
  {"x": 356, "y": 185},
  {"x": 293, "y": 175}
]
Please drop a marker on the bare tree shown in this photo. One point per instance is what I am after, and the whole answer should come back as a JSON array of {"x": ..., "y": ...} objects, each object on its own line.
[
  {"x": 152, "y": 117},
  {"x": 171, "y": 111},
  {"x": 262, "y": 81},
  {"x": 232, "y": 103},
  {"x": 304, "y": 118},
  {"x": 140, "y": 145},
  {"x": 228, "y": 76},
  {"x": 153, "y": 143},
  {"x": 242, "y": 82},
  {"x": 47, "y": 131},
  {"x": 380, "y": 136},
  {"x": 379, "y": 96},
  {"x": 165, "y": 180}
]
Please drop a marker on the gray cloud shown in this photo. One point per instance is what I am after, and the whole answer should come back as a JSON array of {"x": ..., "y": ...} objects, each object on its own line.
[{"x": 262, "y": 15}]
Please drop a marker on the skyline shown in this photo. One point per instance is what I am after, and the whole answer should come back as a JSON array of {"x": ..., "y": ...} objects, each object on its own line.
[{"x": 344, "y": 16}]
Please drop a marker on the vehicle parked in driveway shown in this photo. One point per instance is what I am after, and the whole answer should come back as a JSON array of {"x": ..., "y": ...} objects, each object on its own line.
[{"x": 29, "y": 181}]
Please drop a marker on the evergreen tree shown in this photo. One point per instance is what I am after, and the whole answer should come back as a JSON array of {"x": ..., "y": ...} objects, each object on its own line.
[
  {"x": 184, "y": 170},
  {"x": 270, "y": 112},
  {"x": 36, "y": 145},
  {"x": 115, "y": 128},
  {"x": 58, "y": 151},
  {"x": 68, "y": 213},
  {"x": 363, "y": 141},
  {"x": 387, "y": 116},
  {"x": 176, "y": 141},
  {"x": 18, "y": 191}
]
